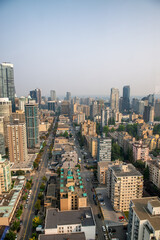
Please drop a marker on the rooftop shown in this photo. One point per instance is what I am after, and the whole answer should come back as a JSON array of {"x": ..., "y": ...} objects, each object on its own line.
[
  {"x": 125, "y": 170},
  {"x": 69, "y": 236},
  {"x": 140, "y": 207},
  {"x": 55, "y": 218}
]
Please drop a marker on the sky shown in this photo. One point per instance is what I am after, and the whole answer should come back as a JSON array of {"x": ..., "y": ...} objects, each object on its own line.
[{"x": 82, "y": 46}]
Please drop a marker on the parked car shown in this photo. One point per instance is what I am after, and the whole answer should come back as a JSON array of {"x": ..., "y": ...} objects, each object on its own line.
[{"x": 103, "y": 228}]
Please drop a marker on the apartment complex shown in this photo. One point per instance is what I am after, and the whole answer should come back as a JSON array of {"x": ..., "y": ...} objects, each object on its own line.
[
  {"x": 104, "y": 149},
  {"x": 144, "y": 219},
  {"x": 72, "y": 193},
  {"x": 5, "y": 175},
  {"x": 154, "y": 172},
  {"x": 124, "y": 183},
  {"x": 88, "y": 128},
  {"x": 17, "y": 142},
  {"x": 140, "y": 151}
]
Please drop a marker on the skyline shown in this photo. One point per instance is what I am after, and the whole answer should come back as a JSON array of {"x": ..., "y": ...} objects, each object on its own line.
[{"x": 87, "y": 47}]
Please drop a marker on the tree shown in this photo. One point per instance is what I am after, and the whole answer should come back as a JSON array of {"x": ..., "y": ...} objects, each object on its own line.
[
  {"x": 111, "y": 121},
  {"x": 65, "y": 134},
  {"x": 38, "y": 204},
  {"x": 116, "y": 152},
  {"x": 44, "y": 179},
  {"x": 10, "y": 236},
  {"x": 28, "y": 185},
  {"x": 35, "y": 165},
  {"x": 40, "y": 196},
  {"x": 112, "y": 129},
  {"x": 106, "y": 130},
  {"x": 36, "y": 221},
  {"x": 42, "y": 187},
  {"x": 98, "y": 128},
  {"x": 19, "y": 213},
  {"x": 15, "y": 225},
  {"x": 121, "y": 128}
]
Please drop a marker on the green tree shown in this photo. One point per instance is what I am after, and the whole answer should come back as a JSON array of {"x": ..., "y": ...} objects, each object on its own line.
[
  {"x": 38, "y": 204},
  {"x": 36, "y": 221},
  {"x": 42, "y": 187},
  {"x": 15, "y": 225},
  {"x": 121, "y": 128},
  {"x": 44, "y": 179},
  {"x": 10, "y": 236},
  {"x": 35, "y": 165},
  {"x": 111, "y": 121},
  {"x": 65, "y": 134},
  {"x": 98, "y": 128},
  {"x": 116, "y": 152},
  {"x": 112, "y": 129},
  {"x": 19, "y": 213},
  {"x": 28, "y": 185},
  {"x": 40, "y": 196},
  {"x": 106, "y": 130}
]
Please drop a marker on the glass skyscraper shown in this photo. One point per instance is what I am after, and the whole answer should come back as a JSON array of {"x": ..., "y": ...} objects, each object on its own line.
[{"x": 7, "y": 88}]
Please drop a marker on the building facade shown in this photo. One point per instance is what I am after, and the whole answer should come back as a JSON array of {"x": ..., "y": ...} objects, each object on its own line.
[
  {"x": 5, "y": 175},
  {"x": 114, "y": 99},
  {"x": 104, "y": 149}
]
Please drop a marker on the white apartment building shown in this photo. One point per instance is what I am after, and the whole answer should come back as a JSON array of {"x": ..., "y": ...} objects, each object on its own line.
[
  {"x": 104, "y": 149},
  {"x": 144, "y": 219},
  {"x": 124, "y": 183},
  {"x": 61, "y": 222},
  {"x": 154, "y": 172}
]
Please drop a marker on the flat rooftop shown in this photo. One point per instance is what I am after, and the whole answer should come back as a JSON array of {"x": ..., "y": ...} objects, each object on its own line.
[
  {"x": 26, "y": 165},
  {"x": 140, "y": 207},
  {"x": 55, "y": 218},
  {"x": 124, "y": 170},
  {"x": 69, "y": 236}
]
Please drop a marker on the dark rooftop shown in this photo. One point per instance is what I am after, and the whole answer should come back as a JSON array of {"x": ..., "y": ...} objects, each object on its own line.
[
  {"x": 82, "y": 216},
  {"x": 69, "y": 236}
]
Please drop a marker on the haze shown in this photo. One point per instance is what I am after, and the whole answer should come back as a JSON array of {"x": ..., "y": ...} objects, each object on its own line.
[{"x": 83, "y": 46}]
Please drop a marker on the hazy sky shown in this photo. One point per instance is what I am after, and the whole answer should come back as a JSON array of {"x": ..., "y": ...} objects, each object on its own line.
[{"x": 82, "y": 46}]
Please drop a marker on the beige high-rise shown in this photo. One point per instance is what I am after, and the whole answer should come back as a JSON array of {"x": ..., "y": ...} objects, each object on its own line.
[
  {"x": 5, "y": 111},
  {"x": 17, "y": 142},
  {"x": 124, "y": 183},
  {"x": 5, "y": 175}
]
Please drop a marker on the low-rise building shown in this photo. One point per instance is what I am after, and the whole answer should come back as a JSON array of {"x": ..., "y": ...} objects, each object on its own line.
[
  {"x": 65, "y": 236},
  {"x": 144, "y": 219},
  {"x": 124, "y": 183},
  {"x": 64, "y": 222}
]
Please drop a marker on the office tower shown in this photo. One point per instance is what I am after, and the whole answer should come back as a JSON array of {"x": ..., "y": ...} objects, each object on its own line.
[
  {"x": 32, "y": 125},
  {"x": 104, "y": 149},
  {"x": 140, "y": 107},
  {"x": 126, "y": 98},
  {"x": 157, "y": 108},
  {"x": 114, "y": 99},
  {"x": 17, "y": 142},
  {"x": 135, "y": 102},
  {"x": 52, "y": 106},
  {"x": 22, "y": 102},
  {"x": 5, "y": 111},
  {"x": 121, "y": 104},
  {"x": 102, "y": 119},
  {"x": 65, "y": 108},
  {"x": 7, "y": 88},
  {"x": 72, "y": 196},
  {"x": 151, "y": 99},
  {"x": 36, "y": 95},
  {"x": 2, "y": 142},
  {"x": 5, "y": 175},
  {"x": 148, "y": 114},
  {"x": 144, "y": 219},
  {"x": 68, "y": 96},
  {"x": 53, "y": 95},
  {"x": 124, "y": 183},
  {"x": 88, "y": 128},
  {"x": 93, "y": 109}
]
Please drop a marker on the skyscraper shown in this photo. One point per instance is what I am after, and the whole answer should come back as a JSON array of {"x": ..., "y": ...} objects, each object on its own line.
[
  {"x": 114, "y": 99},
  {"x": 36, "y": 95},
  {"x": 32, "y": 125},
  {"x": 126, "y": 98},
  {"x": 68, "y": 96},
  {"x": 17, "y": 142},
  {"x": 53, "y": 95},
  {"x": 7, "y": 88}
]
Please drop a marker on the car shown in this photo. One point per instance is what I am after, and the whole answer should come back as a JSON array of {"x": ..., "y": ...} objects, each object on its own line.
[
  {"x": 103, "y": 228},
  {"x": 121, "y": 217},
  {"x": 26, "y": 206},
  {"x": 87, "y": 179},
  {"x": 102, "y": 203}
]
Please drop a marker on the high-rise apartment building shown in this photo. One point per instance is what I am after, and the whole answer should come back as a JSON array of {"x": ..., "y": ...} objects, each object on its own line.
[
  {"x": 5, "y": 111},
  {"x": 157, "y": 108},
  {"x": 19, "y": 114},
  {"x": 53, "y": 95},
  {"x": 68, "y": 96},
  {"x": 88, "y": 128},
  {"x": 65, "y": 108},
  {"x": 52, "y": 106},
  {"x": 104, "y": 149},
  {"x": 114, "y": 99},
  {"x": 154, "y": 172},
  {"x": 144, "y": 219},
  {"x": 5, "y": 175},
  {"x": 7, "y": 88},
  {"x": 36, "y": 95},
  {"x": 17, "y": 142},
  {"x": 148, "y": 114},
  {"x": 32, "y": 125},
  {"x": 22, "y": 102},
  {"x": 93, "y": 109},
  {"x": 2, "y": 143},
  {"x": 124, "y": 183},
  {"x": 126, "y": 98}
]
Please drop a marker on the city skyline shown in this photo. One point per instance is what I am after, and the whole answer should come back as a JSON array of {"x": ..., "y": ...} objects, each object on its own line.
[{"x": 86, "y": 47}]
